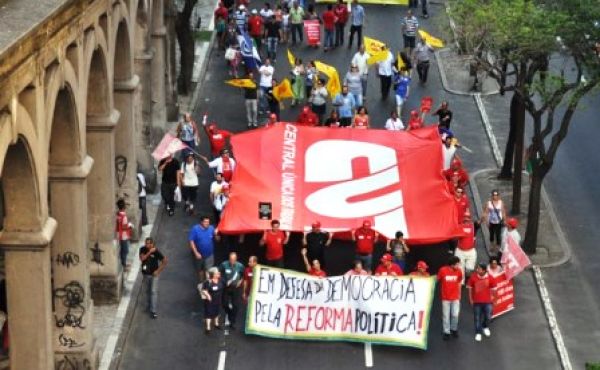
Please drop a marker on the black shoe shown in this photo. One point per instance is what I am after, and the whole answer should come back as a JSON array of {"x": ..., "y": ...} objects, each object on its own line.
[
  {"x": 454, "y": 333},
  {"x": 446, "y": 336},
  {"x": 171, "y": 212},
  {"x": 153, "y": 315},
  {"x": 207, "y": 331},
  {"x": 218, "y": 327},
  {"x": 231, "y": 326}
]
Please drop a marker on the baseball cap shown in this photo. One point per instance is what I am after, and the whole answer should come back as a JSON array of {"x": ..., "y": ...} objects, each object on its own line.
[
  {"x": 316, "y": 224},
  {"x": 254, "y": 11},
  {"x": 366, "y": 223},
  {"x": 386, "y": 258},
  {"x": 512, "y": 222},
  {"x": 241, "y": 7}
]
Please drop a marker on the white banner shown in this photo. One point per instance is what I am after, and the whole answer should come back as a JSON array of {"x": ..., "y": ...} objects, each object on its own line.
[{"x": 376, "y": 309}]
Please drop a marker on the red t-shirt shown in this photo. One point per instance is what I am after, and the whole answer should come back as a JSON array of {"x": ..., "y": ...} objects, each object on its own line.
[
  {"x": 227, "y": 169},
  {"x": 329, "y": 20},
  {"x": 467, "y": 242},
  {"x": 393, "y": 270},
  {"x": 274, "y": 244},
  {"x": 450, "y": 282},
  {"x": 463, "y": 176},
  {"x": 462, "y": 205},
  {"x": 222, "y": 12},
  {"x": 316, "y": 273},
  {"x": 365, "y": 240},
  {"x": 255, "y": 26},
  {"x": 218, "y": 139},
  {"x": 415, "y": 123},
  {"x": 308, "y": 119},
  {"x": 361, "y": 122},
  {"x": 341, "y": 11},
  {"x": 248, "y": 273},
  {"x": 481, "y": 287}
]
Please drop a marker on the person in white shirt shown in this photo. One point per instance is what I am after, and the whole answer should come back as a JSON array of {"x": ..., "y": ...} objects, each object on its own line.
[
  {"x": 187, "y": 180},
  {"x": 223, "y": 164},
  {"x": 220, "y": 202},
  {"x": 142, "y": 196},
  {"x": 394, "y": 123},
  {"x": 266, "y": 12},
  {"x": 510, "y": 230},
  {"x": 216, "y": 186},
  {"x": 266, "y": 72},
  {"x": 385, "y": 70},
  {"x": 360, "y": 60},
  {"x": 448, "y": 151}
]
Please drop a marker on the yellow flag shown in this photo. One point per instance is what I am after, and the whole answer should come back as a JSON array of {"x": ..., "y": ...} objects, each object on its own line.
[
  {"x": 400, "y": 65},
  {"x": 333, "y": 85},
  {"x": 283, "y": 90},
  {"x": 373, "y": 46},
  {"x": 291, "y": 58},
  {"x": 379, "y": 57},
  {"x": 241, "y": 82},
  {"x": 430, "y": 40}
]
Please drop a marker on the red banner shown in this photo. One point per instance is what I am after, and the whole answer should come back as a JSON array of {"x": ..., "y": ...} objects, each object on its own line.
[
  {"x": 340, "y": 178},
  {"x": 504, "y": 300},
  {"x": 313, "y": 32}
]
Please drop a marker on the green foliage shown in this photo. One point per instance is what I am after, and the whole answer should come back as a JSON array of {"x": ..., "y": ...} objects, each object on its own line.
[{"x": 592, "y": 366}]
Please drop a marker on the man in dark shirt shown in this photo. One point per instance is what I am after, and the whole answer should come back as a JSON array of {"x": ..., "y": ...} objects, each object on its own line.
[
  {"x": 169, "y": 167},
  {"x": 444, "y": 115},
  {"x": 273, "y": 35},
  {"x": 251, "y": 96},
  {"x": 316, "y": 240},
  {"x": 153, "y": 262}
]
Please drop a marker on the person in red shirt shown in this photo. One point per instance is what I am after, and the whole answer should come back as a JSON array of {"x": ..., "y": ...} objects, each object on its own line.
[
  {"x": 365, "y": 239},
  {"x": 313, "y": 269},
  {"x": 248, "y": 276},
  {"x": 329, "y": 19},
  {"x": 456, "y": 169},
  {"x": 274, "y": 240},
  {"x": 307, "y": 117},
  {"x": 341, "y": 12},
  {"x": 221, "y": 11},
  {"x": 387, "y": 267},
  {"x": 462, "y": 202},
  {"x": 482, "y": 287},
  {"x": 216, "y": 137},
  {"x": 421, "y": 270},
  {"x": 256, "y": 28},
  {"x": 361, "y": 119},
  {"x": 415, "y": 121},
  {"x": 465, "y": 247},
  {"x": 450, "y": 279}
]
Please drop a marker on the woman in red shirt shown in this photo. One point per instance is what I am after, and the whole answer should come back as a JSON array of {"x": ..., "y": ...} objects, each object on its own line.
[
  {"x": 315, "y": 268},
  {"x": 361, "y": 119}
]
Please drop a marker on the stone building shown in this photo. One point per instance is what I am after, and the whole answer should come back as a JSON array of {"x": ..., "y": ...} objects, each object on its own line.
[{"x": 82, "y": 90}]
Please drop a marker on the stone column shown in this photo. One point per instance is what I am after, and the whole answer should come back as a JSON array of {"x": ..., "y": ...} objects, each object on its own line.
[
  {"x": 145, "y": 140},
  {"x": 73, "y": 309},
  {"x": 158, "y": 34},
  {"x": 106, "y": 275},
  {"x": 29, "y": 295},
  {"x": 126, "y": 169}
]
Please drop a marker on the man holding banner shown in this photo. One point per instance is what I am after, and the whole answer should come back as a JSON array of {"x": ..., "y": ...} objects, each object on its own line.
[{"x": 274, "y": 240}]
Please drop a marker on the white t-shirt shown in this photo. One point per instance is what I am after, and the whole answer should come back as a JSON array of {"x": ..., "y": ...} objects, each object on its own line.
[
  {"x": 361, "y": 62},
  {"x": 514, "y": 233},
  {"x": 448, "y": 155},
  {"x": 394, "y": 125},
  {"x": 218, "y": 164},
  {"x": 385, "y": 66},
  {"x": 215, "y": 187},
  {"x": 266, "y": 75},
  {"x": 142, "y": 181},
  {"x": 220, "y": 202},
  {"x": 190, "y": 177},
  {"x": 266, "y": 13}
]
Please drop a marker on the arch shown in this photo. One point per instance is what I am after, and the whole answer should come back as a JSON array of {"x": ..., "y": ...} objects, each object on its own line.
[
  {"x": 20, "y": 188},
  {"x": 98, "y": 102},
  {"x": 64, "y": 147},
  {"x": 123, "y": 62}
]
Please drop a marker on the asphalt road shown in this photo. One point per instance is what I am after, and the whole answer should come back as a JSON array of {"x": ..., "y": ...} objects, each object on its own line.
[{"x": 520, "y": 340}]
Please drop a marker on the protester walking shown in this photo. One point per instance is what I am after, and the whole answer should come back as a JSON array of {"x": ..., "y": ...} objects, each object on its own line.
[
  {"x": 345, "y": 104},
  {"x": 296, "y": 19},
  {"x": 509, "y": 231},
  {"x": 256, "y": 28},
  {"x": 410, "y": 27},
  {"x": 217, "y": 138},
  {"x": 223, "y": 164},
  {"x": 232, "y": 272},
  {"x": 357, "y": 20},
  {"x": 318, "y": 99},
  {"x": 220, "y": 201},
  {"x": 493, "y": 215},
  {"x": 353, "y": 79},
  {"x": 201, "y": 239},
  {"x": 385, "y": 70},
  {"x": 141, "y": 180},
  {"x": 365, "y": 238},
  {"x": 341, "y": 13},
  {"x": 444, "y": 115},
  {"x": 169, "y": 167},
  {"x": 310, "y": 77},
  {"x": 211, "y": 292},
  {"x": 401, "y": 89},
  {"x": 298, "y": 82},
  {"x": 361, "y": 119},
  {"x": 394, "y": 123},
  {"x": 188, "y": 182},
  {"x": 187, "y": 131},
  {"x": 274, "y": 240},
  {"x": 251, "y": 102},
  {"x": 273, "y": 34},
  {"x": 266, "y": 72},
  {"x": 123, "y": 229},
  {"x": 153, "y": 263},
  {"x": 421, "y": 57},
  {"x": 360, "y": 60},
  {"x": 450, "y": 278},
  {"x": 333, "y": 120},
  {"x": 481, "y": 291},
  {"x": 248, "y": 276},
  {"x": 329, "y": 19},
  {"x": 465, "y": 248}
]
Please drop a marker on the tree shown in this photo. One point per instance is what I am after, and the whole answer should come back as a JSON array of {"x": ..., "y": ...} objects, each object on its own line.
[
  {"x": 515, "y": 41},
  {"x": 185, "y": 39}
]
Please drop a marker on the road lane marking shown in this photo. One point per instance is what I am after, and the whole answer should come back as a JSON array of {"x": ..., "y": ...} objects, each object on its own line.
[
  {"x": 368, "y": 355},
  {"x": 221, "y": 364}
]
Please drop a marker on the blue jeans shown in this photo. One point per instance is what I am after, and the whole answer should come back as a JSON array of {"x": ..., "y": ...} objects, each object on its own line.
[
  {"x": 366, "y": 259},
  {"x": 151, "y": 283},
  {"x": 483, "y": 316},
  {"x": 328, "y": 43},
  {"x": 272, "y": 48},
  {"x": 124, "y": 251},
  {"x": 263, "y": 104},
  {"x": 450, "y": 312}
]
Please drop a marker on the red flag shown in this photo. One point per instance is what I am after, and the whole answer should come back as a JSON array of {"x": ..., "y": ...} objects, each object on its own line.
[
  {"x": 341, "y": 178},
  {"x": 167, "y": 146},
  {"x": 514, "y": 260},
  {"x": 504, "y": 300},
  {"x": 313, "y": 32},
  {"x": 426, "y": 103}
]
